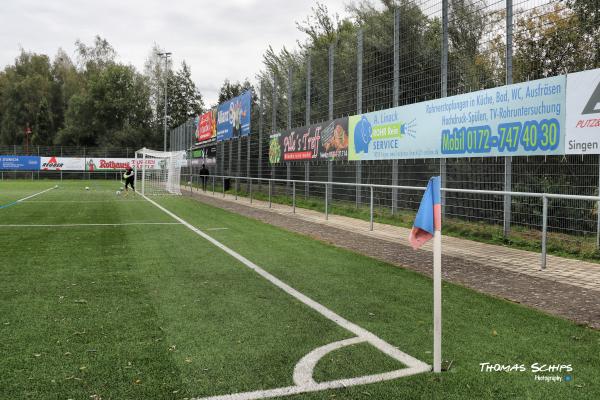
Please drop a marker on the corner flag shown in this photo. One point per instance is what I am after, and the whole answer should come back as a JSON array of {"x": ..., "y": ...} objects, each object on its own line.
[
  {"x": 429, "y": 216},
  {"x": 427, "y": 225}
]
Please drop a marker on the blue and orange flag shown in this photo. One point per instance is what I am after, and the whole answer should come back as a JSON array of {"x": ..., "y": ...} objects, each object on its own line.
[{"x": 429, "y": 216}]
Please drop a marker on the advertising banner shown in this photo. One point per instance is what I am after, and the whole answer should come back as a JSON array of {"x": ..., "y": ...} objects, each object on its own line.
[
  {"x": 524, "y": 119},
  {"x": 62, "y": 164},
  {"x": 20, "y": 163},
  {"x": 323, "y": 141},
  {"x": 233, "y": 117},
  {"x": 583, "y": 113},
  {"x": 102, "y": 164},
  {"x": 206, "y": 130}
]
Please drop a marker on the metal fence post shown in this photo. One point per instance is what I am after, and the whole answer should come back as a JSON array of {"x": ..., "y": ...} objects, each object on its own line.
[
  {"x": 371, "y": 210},
  {"x": 274, "y": 105},
  {"x": 396, "y": 101},
  {"x": 223, "y": 186},
  {"x": 248, "y": 156},
  {"x": 307, "y": 122},
  {"x": 294, "y": 197},
  {"x": 509, "y": 80},
  {"x": 230, "y": 160},
  {"x": 270, "y": 185},
  {"x": 213, "y": 184},
  {"x": 250, "y": 189},
  {"x": 289, "y": 124},
  {"x": 326, "y": 202},
  {"x": 544, "y": 231},
  {"x": 261, "y": 110},
  {"x": 444, "y": 90},
  {"x": 598, "y": 209},
  {"x": 359, "y": 91},
  {"x": 239, "y": 164},
  {"x": 330, "y": 114}
]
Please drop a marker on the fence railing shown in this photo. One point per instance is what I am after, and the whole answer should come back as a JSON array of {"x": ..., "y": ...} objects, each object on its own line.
[{"x": 192, "y": 180}]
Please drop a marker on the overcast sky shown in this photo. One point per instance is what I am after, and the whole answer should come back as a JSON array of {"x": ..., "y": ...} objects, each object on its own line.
[{"x": 219, "y": 39}]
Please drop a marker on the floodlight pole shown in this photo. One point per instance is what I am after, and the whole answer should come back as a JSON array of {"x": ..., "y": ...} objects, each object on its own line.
[{"x": 166, "y": 56}]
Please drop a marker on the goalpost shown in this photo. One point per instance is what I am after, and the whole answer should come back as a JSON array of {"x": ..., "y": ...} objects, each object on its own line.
[{"x": 158, "y": 172}]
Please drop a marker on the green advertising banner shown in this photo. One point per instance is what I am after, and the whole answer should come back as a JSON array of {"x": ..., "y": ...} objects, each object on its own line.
[{"x": 516, "y": 120}]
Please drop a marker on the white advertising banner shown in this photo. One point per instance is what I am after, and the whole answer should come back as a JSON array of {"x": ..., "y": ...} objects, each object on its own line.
[
  {"x": 62, "y": 163},
  {"x": 100, "y": 164},
  {"x": 583, "y": 113}
]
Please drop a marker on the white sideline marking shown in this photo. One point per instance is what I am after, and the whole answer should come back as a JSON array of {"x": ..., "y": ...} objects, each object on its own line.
[
  {"x": 415, "y": 366},
  {"x": 216, "y": 229},
  {"x": 303, "y": 372},
  {"x": 75, "y": 225},
  {"x": 27, "y": 198},
  {"x": 82, "y": 201}
]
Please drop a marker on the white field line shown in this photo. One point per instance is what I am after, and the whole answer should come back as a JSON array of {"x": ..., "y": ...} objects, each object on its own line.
[
  {"x": 303, "y": 371},
  {"x": 83, "y": 201},
  {"x": 415, "y": 366},
  {"x": 27, "y": 198},
  {"x": 77, "y": 225},
  {"x": 341, "y": 383},
  {"x": 216, "y": 229}
]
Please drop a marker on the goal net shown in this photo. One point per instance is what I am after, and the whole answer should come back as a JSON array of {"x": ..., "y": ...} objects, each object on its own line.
[{"x": 158, "y": 172}]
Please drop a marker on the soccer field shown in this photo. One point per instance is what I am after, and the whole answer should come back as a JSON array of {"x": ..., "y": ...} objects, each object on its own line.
[{"x": 108, "y": 296}]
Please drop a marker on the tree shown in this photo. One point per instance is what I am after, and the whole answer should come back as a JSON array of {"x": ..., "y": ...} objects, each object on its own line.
[
  {"x": 230, "y": 89},
  {"x": 549, "y": 41},
  {"x": 27, "y": 99},
  {"x": 95, "y": 57},
  {"x": 114, "y": 110},
  {"x": 184, "y": 99}
]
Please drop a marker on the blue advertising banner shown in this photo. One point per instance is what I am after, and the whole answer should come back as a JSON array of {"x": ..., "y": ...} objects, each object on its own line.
[
  {"x": 20, "y": 163},
  {"x": 515, "y": 120},
  {"x": 233, "y": 117}
]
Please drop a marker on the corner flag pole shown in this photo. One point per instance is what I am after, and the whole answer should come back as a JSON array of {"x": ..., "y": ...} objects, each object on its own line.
[
  {"x": 437, "y": 301},
  {"x": 428, "y": 225}
]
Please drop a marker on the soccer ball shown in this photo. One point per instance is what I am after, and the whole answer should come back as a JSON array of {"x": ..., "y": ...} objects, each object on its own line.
[
  {"x": 87, "y": 188},
  {"x": 118, "y": 192}
]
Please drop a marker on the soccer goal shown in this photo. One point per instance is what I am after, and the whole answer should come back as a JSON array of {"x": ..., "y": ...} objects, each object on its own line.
[{"x": 158, "y": 172}]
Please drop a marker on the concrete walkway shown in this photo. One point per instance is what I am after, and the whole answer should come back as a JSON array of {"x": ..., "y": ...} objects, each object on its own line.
[{"x": 477, "y": 265}]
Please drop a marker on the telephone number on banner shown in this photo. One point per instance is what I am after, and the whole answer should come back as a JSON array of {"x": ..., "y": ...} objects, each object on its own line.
[{"x": 511, "y": 137}]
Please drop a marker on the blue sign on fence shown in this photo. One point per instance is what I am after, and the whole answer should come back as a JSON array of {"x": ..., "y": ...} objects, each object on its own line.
[
  {"x": 233, "y": 117},
  {"x": 20, "y": 163}
]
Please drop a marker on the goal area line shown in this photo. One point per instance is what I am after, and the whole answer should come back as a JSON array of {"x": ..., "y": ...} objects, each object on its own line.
[{"x": 303, "y": 371}]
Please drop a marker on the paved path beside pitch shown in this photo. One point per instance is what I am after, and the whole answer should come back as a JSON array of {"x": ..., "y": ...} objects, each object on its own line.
[{"x": 567, "y": 287}]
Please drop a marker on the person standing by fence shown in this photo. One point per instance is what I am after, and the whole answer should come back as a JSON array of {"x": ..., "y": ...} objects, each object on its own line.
[{"x": 204, "y": 173}]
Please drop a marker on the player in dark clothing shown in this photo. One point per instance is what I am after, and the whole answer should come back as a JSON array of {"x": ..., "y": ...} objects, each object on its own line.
[
  {"x": 128, "y": 176},
  {"x": 204, "y": 173}
]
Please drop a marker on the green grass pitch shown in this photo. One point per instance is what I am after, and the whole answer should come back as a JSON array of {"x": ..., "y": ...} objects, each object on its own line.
[{"x": 108, "y": 296}]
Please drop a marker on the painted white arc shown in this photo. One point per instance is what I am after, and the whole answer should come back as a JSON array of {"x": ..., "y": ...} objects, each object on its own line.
[{"x": 303, "y": 372}]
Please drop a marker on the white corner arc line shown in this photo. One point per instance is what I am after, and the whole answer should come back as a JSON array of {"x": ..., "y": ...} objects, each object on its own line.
[
  {"x": 303, "y": 371},
  {"x": 362, "y": 333}
]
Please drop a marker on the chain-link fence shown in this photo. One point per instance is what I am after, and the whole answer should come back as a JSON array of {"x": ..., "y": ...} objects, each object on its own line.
[{"x": 417, "y": 50}]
